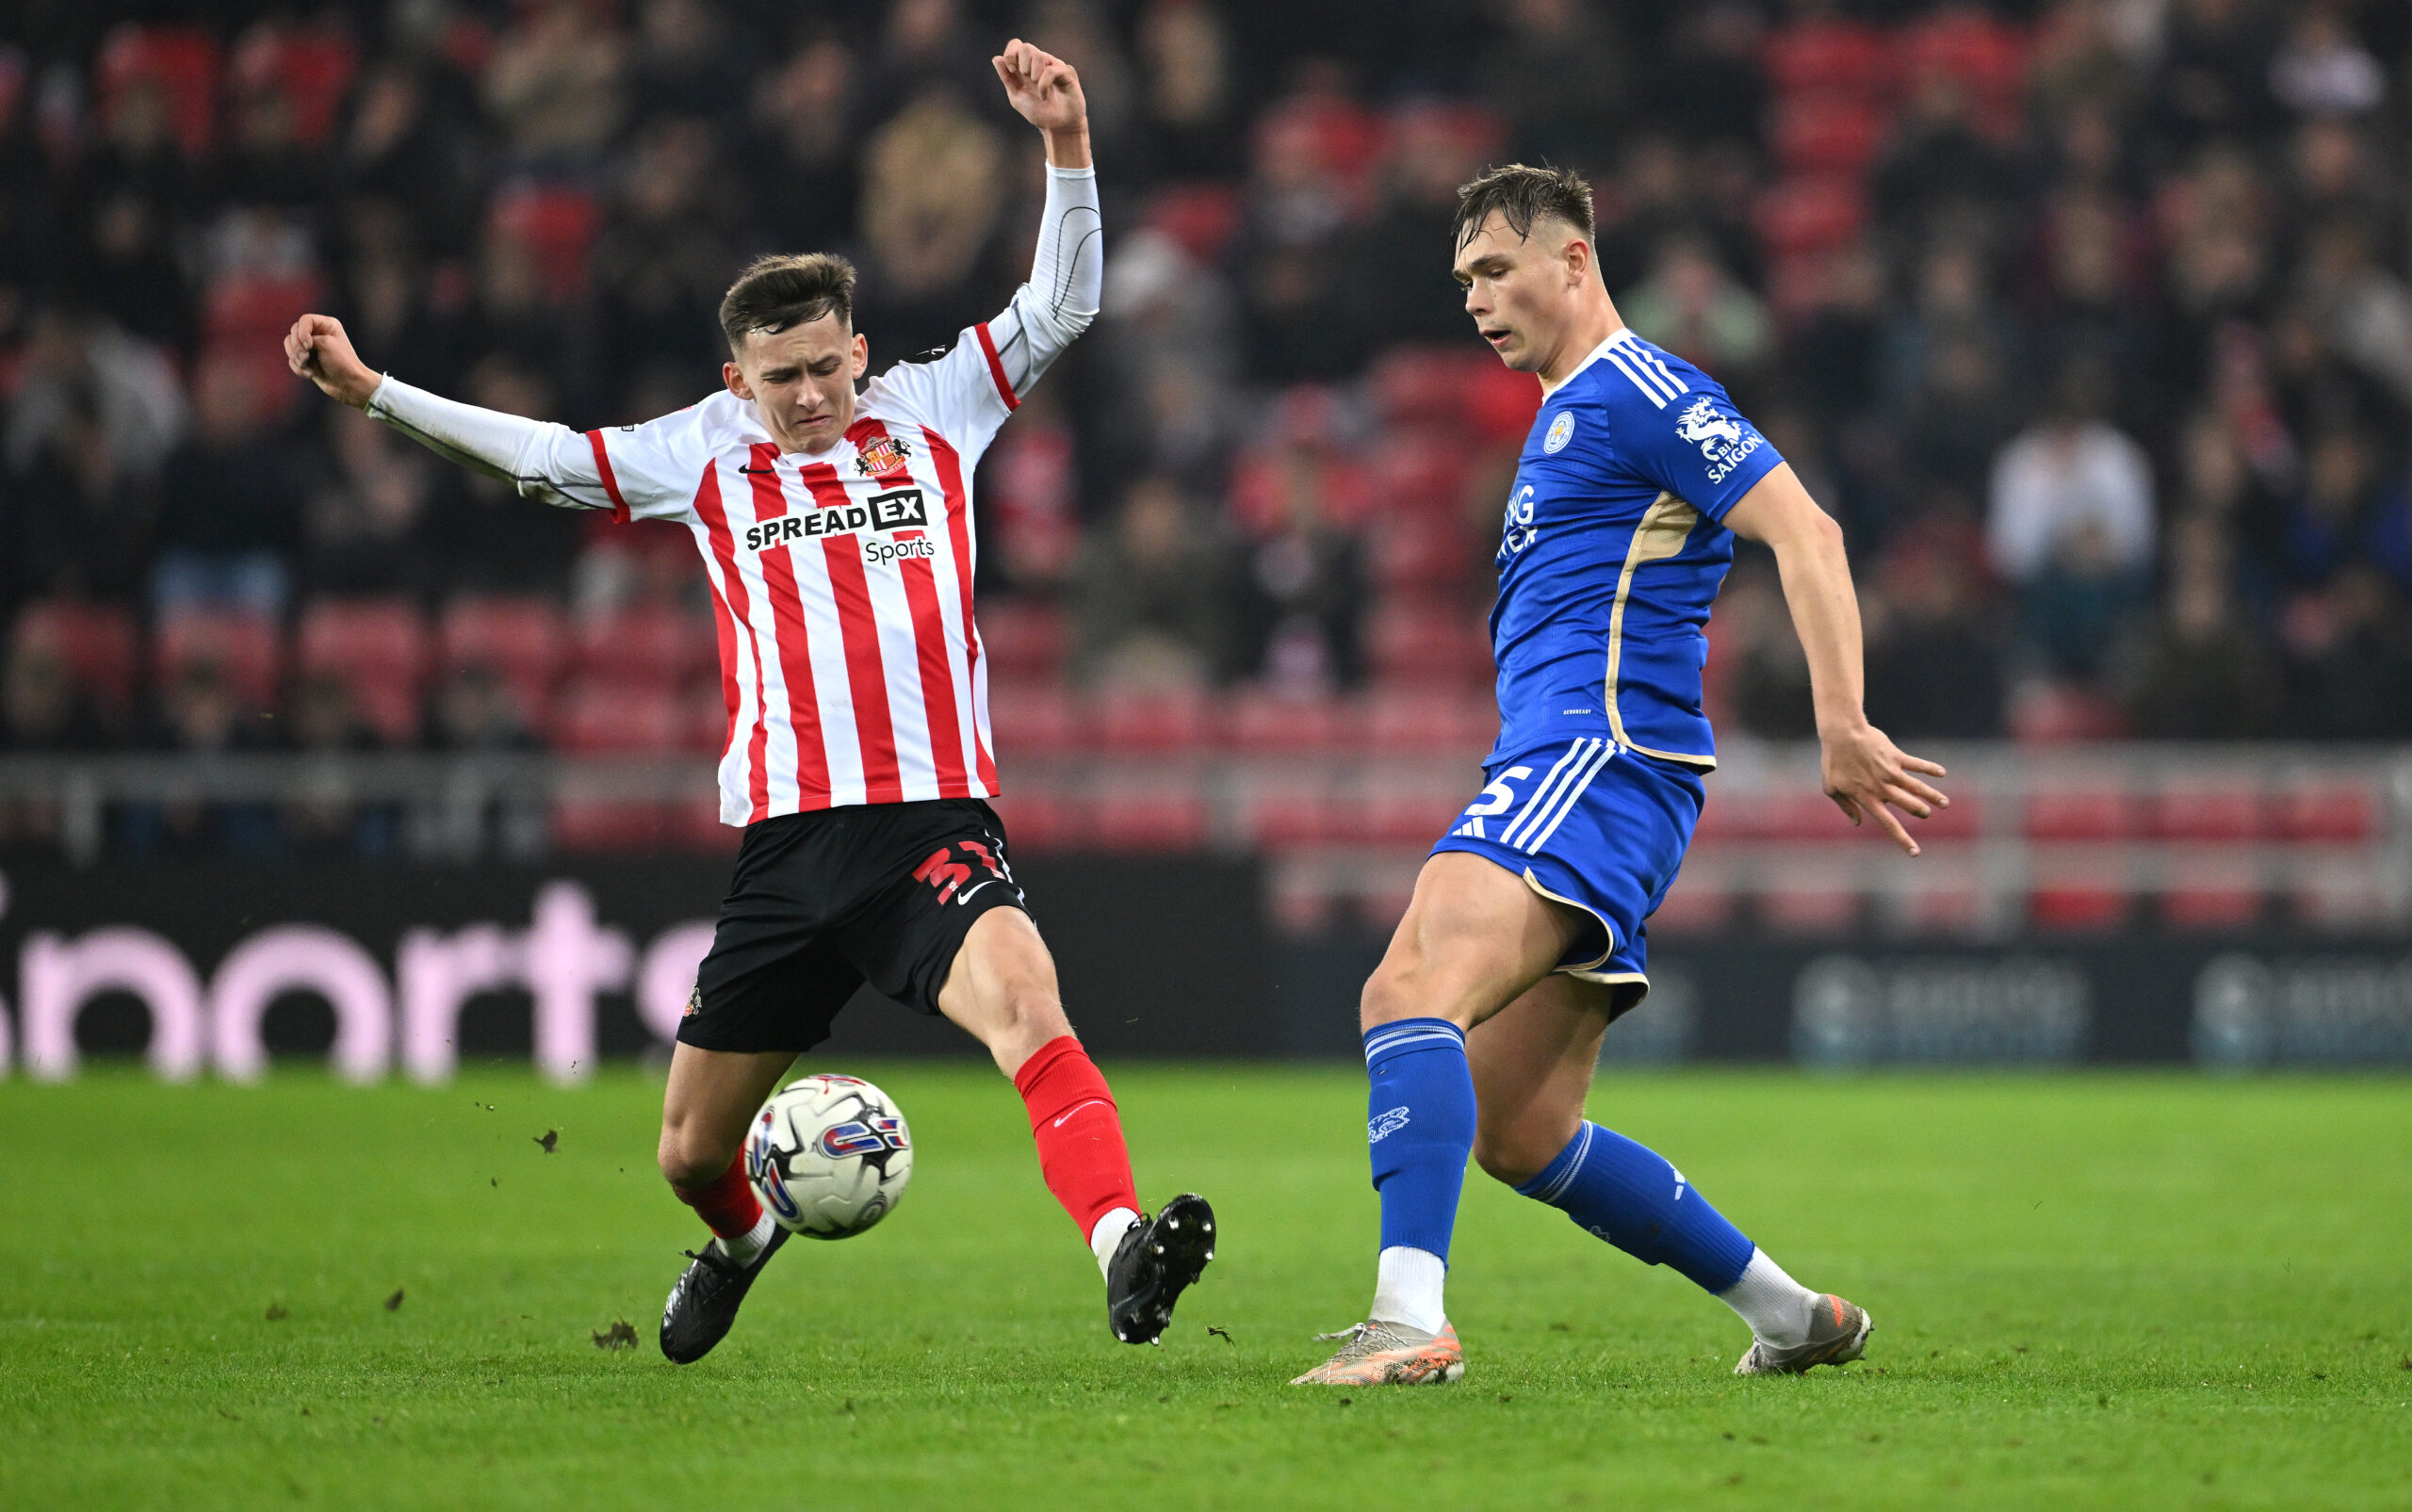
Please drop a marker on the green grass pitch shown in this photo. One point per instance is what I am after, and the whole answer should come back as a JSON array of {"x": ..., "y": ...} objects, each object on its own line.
[{"x": 2091, "y": 1291}]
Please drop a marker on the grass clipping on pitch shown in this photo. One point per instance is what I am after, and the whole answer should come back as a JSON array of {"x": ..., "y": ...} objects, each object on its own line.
[{"x": 2089, "y": 1291}]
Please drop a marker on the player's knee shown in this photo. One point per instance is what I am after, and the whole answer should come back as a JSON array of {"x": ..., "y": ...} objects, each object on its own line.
[
  {"x": 689, "y": 1158},
  {"x": 1024, "y": 1019},
  {"x": 1509, "y": 1156}
]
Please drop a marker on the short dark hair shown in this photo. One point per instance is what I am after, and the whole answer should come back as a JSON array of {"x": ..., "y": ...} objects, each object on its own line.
[
  {"x": 788, "y": 290},
  {"x": 1523, "y": 195}
]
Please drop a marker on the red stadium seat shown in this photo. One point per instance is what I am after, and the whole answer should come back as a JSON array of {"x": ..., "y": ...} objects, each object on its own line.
[
  {"x": 652, "y": 644},
  {"x": 310, "y": 66},
  {"x": 1415, "y": 553},
  {"x": 592, "y": 826},
  {"x": 2082, "y": 815},
  {"x": 1203, "y": 218},
  {"x": 1821, "y": 133},
  {"x": 244, "y": 648},
  {"x": 1419, "y": 716},
  {"x": 521, "y": 641},
  {"x": 1416, "y": 814},
  {"x": 1258, "y": 721},
  {"x": 2209, "y": 813},
  {"x": 1040, "y": 822},
  {"x": 597, "y": 716},
  {"x": 251, "y": 308},
  {"x": 693, "y": 825},
  {"x": 2080, "y": 905},
  {"x": 704, "y": 720},
  {"x": 1823, "y": 54},
  {"x": 1291, "y": 817},
  {"x": 1031, "y": 719},
  {"x": 556, "y": 225},
  {"x": 97, "y": 642},
  {"x": 1808, "y": 904},
  {"x": 379, "y": 648},
  {"x": 1419, "y": 642},
  {"x": 1987, "y": 55},
  {"x": 1692, "y": 909},
  {"x": 1423, "y": 384},
  {"x": 1021, "y": 639},
  {"x": 2217, "y": 894},
  {"x": 1131, "y": 720},
  {"x": 180, "y": 62},
  {"x": 2334, "y": 813},
  {"x": 1808, "y": 213},
  {"x": 1420, "y": 469},
  {"x": 1143, "y": 822}
]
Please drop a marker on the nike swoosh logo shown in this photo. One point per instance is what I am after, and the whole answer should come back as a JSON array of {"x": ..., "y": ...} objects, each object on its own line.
[
  {"x": 757, "y": 472},
  {"x": 966, "y": 897},
  {"x": 1073, "y": 1109}
]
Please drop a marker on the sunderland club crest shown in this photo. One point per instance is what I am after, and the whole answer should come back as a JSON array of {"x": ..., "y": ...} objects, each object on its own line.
[{"x": 879, "y": 455}]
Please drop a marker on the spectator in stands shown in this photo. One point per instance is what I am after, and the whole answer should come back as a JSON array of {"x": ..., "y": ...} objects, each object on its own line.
[
  {"x": 492, "y": 538},
  {"x": 78, "y": 523},
  {"x": 2215, "y": 74},
  {"x": 1306, "y": 188},
  {"x": 321, "y": 817},
  {"x": 558, "y": 83},
  {"x": 2070, "y": 523},
  {"x": 409, "y": 145},
  {"x": 231, "y": 506},
  {"x": 131, "y": 274},
  {"x": 2324, "y": 527},
  {"x": 2323, "y": 69},
  {"x": 1933, "y": 654},
  {"x": 662, "y": 262},
  {"x": 1395, "y": 292},
  {"x": 1561, "y": 73},
  {"x": 803, "y": 152},
  {"x": 1770, "y": 690},
  {"x": 1166, "y": 355},
  {"x": 1941, "y": 170},
  {"x": 2348, "y": 665},
  {"x": 933, "y": 183},
  {"x": 1152, "y": 596},
  {"x": 682, "y": 64},
  {"x": 2200, "y": 670},
  {"x": 69, "y": 359},
  {"x": 38, "y": 699},
  {"x": 1707, "y": 84},
  {"x": 473, "y": 710},
  {"x": 366, "y": 516},
  {"x": 1692, "y": 305},
  {"x": 202, "y": 717},
  {"x": 2363, "y": 310},
  {"x": 1184, "y": 53}
]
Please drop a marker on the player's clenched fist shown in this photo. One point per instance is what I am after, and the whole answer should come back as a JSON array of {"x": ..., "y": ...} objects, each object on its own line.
[
  {"x": 1042, "y": 88},
  {"x": 317, "y": 349}
]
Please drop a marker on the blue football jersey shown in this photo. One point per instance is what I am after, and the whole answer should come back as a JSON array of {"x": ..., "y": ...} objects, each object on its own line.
[{"x": 1612, "y": 551}]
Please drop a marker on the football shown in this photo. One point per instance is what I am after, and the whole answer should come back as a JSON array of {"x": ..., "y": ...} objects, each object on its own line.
[{"x": 829, "y": 1156}]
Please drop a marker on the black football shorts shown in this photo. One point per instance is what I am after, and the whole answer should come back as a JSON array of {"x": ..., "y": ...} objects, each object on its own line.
[{"x": 826, "y": 900}]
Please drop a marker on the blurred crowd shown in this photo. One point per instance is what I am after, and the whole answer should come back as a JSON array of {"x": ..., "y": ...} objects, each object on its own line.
[{"x": 2088, "y": 318}]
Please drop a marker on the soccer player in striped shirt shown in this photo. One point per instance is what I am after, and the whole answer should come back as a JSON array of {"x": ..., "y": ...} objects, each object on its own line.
[
  {"x": 835, "y": 528},
  {"x": 1524, "y": 937}
]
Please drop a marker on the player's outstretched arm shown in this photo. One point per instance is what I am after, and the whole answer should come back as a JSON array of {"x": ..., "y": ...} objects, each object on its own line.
[
  {"x": 1067, "y": 268},
  {"x": 545, "y": 462},
  {"x": 1863, "y": 771}
]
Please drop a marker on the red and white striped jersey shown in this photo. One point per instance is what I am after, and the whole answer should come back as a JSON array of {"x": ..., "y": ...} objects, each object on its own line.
[{"x": 842, "y": 583}]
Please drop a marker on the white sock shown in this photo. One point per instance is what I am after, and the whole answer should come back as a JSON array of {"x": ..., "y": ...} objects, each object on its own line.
[
  {"x": 746, "y": 1246},
  {"x": 1108, "y": 1234},
  {"x": 1775, "y": 1306},
  {"x": 1407, "y": 1290}
]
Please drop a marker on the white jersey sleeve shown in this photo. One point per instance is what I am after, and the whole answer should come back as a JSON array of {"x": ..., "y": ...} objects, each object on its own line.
[
  {"x": 966, "y": 394},
  {"x": 645, "y": 471}
]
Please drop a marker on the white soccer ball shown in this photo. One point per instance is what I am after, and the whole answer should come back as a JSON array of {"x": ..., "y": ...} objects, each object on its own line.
[{"x": 829, "y": 1156}]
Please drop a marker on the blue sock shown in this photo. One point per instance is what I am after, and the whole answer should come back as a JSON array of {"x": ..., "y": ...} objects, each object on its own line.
[
  {"x": 1628, "y": 1194},
  {"x": 1420, "y": 1127}
]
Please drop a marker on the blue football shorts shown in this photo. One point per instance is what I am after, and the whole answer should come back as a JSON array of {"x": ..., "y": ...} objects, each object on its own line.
[{"x": 1596, "y": 827}]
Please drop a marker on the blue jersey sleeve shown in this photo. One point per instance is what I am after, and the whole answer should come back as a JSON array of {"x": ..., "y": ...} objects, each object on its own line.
[{"x": 1697, "y": 446}]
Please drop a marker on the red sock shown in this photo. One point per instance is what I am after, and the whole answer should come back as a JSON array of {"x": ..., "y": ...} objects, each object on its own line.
[
  {"x": 727, "y": 1203},
  {"x": 1079, "y": 1131}
]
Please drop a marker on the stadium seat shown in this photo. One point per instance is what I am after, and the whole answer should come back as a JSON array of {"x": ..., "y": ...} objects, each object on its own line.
[
  {"x": 311, "y": 67},
  {"x": 693, "y": 825},
  {"x": 2209, "y": 813},
  {"x": 1806, "y": 902},
  {"x": 1826, "y": 55},
  {"x": 1203, "y": 218},
  {"x": 1692, "y": 908},
  {"x": 1292, "y": 816},
  {"x": 1031, "y": 719},
  {"x": 1419, "y": 469},
  {"x": 1414, "y": 716},
  {"x": 1039, "y": 822},
  {"x": 2079, "y": 904},
  {"x": 1423, "y": 385},
  {"x": 248, "y": 309},
  {"x": 1986, "y": 55},
  {"x": 593, "y": 826},
  {"x": 2102, "y": 814},
  {"x": 97, "y": 642},
  {"x": 1131, "y": 720},
  {"x": 245, "y": 649},
  {"x": 1810, "y": 212},
  {"x": 1266, "y": 485},
  {"x": 1148, "y": 822},
  {"x": 521, "y": 641},
  {"x": 1412, "y": 813},
  {"x": 1254, "y": 720},
  {"x": 555, "y": 224},
  {"x": 2334, "y": 813},
  {"x": 180, "y": 62},
  {"x": 1416, "y": 553},
  {"x": 703, "y": 719},
  {"x": 379, "y": 647},
  {"x": 2217, "y": 893},
  {"x": 595, "y": 717},
  {"x": 1824, "y": 133},
  {"x": 655, "y": 644},
  {"x": 1023, "y": 639},
  {"x": 1419, "y": 642}
]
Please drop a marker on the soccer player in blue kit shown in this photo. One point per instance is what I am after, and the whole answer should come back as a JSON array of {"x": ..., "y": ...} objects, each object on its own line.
[{"x": 1524, "y": 937}]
